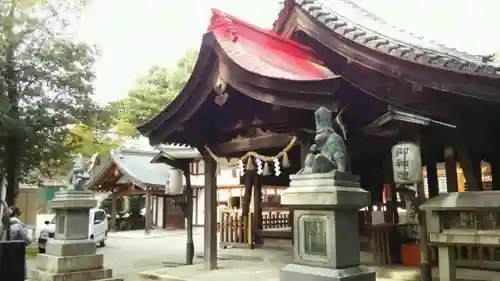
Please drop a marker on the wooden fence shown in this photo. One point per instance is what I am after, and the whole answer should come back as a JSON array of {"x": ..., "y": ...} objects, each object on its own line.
[{"x": 235, "y": 230}]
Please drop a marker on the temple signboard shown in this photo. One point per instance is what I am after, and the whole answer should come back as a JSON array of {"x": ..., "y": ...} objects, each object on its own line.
[{"x": 406, "y": 163}]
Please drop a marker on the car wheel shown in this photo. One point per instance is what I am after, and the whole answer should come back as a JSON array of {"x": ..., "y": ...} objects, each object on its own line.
[{"x": 103, "y": 241}]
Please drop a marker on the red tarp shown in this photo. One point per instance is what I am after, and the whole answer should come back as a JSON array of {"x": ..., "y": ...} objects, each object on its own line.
[{"x": 265, "y": 52}]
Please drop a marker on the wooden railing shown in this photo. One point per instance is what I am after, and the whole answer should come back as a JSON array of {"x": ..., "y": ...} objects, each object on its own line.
[
  {"x": 235, "y": 230},
  {"x": 275, "y": 219}
]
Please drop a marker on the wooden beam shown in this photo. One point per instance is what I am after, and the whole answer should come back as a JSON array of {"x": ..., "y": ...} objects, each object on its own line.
[
  {"x": 130, "y": 192},
  {"x": 248, "y": 144}
]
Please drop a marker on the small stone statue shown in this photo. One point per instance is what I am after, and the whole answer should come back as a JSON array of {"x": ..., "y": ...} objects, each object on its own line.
[
  {"x": 329, "y": 153},
  {"x": 79, "y": 175}
]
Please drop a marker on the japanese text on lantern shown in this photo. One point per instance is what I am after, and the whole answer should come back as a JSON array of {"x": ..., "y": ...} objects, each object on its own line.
[{"x": 406, "y": 162}]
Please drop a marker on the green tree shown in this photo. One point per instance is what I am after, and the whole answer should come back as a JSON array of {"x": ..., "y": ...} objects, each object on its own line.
[
  {"x": 151, "y": 94},
  {"x": 133, "y": 206},
  {"x": 106, "y": 204},
  {"x": 87, "y": 140},
  {"x": 46, "y": 82}
]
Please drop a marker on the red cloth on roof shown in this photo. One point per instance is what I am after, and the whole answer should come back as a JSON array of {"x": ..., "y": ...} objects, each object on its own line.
[{"x": 265, "y": 52}]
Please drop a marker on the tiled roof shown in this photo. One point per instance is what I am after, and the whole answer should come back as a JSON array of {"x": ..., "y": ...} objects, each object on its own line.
[
  {"x": 350, "y": 19},
  {"x": 137, "y": 165}
]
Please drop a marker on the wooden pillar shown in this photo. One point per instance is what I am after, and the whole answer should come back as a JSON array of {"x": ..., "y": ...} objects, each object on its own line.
[
  {"x": 155, "y": 222},
  {"x": 471, "y": 167},
  {"x": 210, "y": 247},
  {"x": 197, "y": 192},
  {"x": 476, "y": 169},
  {"x": 165, "y": 210},
  {"x": 113, "y": 211},
  {"x": 189, "y": 218},
  {"x": 257, "y": 209},
  {"x": 431, "y": 169},
  {"x": 425, "y": 266},
  {"x": 451, "y": 169},
  {"x": 148, "y": 212},
  {"x": 391, "y": 214},
  {"x": 495, "y": 173},
  {"x": 425, "y": 251},
  {"x": 249, "y": 181}
]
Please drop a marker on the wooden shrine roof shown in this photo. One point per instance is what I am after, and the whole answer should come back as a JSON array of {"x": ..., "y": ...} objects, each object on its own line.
[
  {"x": 381, "y": 35},
  {"x": 239, "y": 65},
  {"x": 130, "y": 166}
]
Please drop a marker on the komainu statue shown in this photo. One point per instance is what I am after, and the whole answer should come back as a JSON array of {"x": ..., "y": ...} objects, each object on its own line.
[
  {"x": 79, "y": 175},
  {"x": 329, "y": 153}
]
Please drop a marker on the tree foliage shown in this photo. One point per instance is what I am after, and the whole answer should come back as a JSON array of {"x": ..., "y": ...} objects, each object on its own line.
[
  {"x": 45, "y": 85},
  {"x": 132, "y": 204},
  {"x": 151, "y": 93}
]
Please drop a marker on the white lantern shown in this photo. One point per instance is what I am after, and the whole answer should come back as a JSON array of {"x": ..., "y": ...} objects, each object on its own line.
[
  {"x": 406, "y": 163},
  {"x": 173, "y": 186}
]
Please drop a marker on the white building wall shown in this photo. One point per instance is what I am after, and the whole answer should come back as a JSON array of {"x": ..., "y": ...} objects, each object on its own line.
[{"x": 226, "y": 177}]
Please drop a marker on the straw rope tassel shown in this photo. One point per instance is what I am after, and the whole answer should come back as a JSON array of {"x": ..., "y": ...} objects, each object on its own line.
[
  {"x": 266, "y": 171},
  {"x": 285, "y": 162},
  {"x": 250, "y": 166}
]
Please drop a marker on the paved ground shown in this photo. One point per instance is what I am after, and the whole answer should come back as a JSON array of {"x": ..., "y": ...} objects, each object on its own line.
[{"x": 128, "y": 254}]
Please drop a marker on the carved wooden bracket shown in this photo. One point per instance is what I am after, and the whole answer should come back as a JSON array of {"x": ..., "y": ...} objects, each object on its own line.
[{"x": 220, "y": 87}]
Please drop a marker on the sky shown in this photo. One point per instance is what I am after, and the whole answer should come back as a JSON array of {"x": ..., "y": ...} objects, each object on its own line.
[
  {"x": 470, "y": 26},
  {"x": 133, "y": 35}
]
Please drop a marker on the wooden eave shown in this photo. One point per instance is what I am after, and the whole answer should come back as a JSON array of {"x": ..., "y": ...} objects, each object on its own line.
[
  {"x": 389, "y": 124},
  {"x": 214, "y": 64},
  {"x": 107, "y": 173},
  {"x": 441, "y": 71}
]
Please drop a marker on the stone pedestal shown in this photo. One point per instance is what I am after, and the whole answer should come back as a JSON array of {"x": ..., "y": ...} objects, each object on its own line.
[
  {"x": 71, "y": 256},
  {"x": 326, "y": 233}
]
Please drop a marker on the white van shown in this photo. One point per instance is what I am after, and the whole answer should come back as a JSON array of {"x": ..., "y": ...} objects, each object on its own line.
[{"x": 98, "y": 228}]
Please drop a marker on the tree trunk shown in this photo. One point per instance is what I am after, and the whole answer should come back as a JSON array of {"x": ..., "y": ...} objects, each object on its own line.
[
  {"x": 12, "y": 171},
  {"x": 13, "y": 145}
]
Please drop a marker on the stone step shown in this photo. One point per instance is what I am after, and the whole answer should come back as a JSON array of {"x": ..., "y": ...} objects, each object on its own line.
[{"x": 86, "y": 275}]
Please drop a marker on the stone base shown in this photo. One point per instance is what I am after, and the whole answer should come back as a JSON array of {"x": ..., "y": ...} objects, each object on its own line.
[
  {"x": 73, "y": 199},
  {"x": 86, "y": 275},
  {"x": 325, "y": 191},
  {"x": 65, "y": 248},
  {"x": 297, "y": 272},
  {"x": 56, "y": 264},
  {"x": 71, "y": 268}
]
